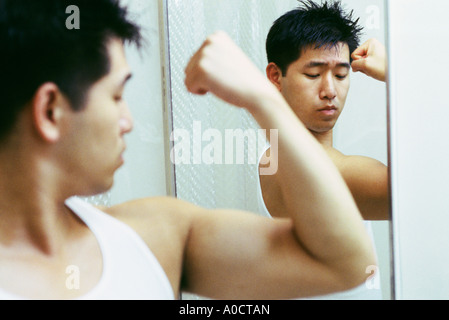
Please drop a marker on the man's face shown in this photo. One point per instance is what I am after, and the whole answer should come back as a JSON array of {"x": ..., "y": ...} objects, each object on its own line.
[
  {"x": 95, "y": 136},
  {"x": 316, "y": 86}
]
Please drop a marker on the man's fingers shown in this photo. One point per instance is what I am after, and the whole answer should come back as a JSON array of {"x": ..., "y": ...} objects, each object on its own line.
[
  {"x": 360, "y": 52},
  {"x": 359, "y": 65}
]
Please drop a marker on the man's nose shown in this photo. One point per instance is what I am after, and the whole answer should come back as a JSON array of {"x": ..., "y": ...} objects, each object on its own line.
[
  {"x": 126, "y": 121},
  {"x": 328, "y": 91}
]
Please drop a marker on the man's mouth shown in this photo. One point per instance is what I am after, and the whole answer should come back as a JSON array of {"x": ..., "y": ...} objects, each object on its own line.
[{"x": 328, "y": 110}]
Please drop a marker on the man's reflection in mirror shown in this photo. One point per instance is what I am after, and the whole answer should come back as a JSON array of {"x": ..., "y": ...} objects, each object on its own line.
[{"x": 311, "y": 51}]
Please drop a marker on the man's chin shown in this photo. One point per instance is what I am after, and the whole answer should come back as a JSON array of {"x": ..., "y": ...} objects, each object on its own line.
[{"x": 322, "y": 130}]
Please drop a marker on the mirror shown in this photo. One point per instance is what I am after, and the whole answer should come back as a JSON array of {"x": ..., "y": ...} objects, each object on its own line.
[{"x": 214, "y": 148}]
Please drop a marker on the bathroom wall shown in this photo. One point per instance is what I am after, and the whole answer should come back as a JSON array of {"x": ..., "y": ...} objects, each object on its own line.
[{"x": 419, "y": 131}]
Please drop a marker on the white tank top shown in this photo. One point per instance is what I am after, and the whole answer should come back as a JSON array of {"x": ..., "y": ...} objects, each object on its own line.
[
  {"x": 370, "y": 290},
  {"x": 130, "y": 270}
]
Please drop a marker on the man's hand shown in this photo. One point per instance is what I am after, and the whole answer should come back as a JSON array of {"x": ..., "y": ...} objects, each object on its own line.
[
  {"x": 370, "y": 58},
  {"x": 221, "y": 67}
]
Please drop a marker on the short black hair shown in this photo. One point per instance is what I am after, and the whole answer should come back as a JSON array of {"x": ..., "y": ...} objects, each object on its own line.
[
  {"x": 312, "y": 25},
  {"x": 38, "y": 47}
]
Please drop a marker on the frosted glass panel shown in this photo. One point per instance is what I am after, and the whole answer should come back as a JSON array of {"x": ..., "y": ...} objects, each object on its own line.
[{"x": 189, "y": 22}]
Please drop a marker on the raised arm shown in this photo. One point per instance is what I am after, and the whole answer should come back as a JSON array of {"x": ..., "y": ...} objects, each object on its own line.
[
  {"x": 367, "y": 178},
  {"x": 323, "y": 248},
  {"x": 371, "y": 59}
]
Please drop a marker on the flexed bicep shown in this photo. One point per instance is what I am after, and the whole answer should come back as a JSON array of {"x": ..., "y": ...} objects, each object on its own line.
[{"x": 240, "y": 255}]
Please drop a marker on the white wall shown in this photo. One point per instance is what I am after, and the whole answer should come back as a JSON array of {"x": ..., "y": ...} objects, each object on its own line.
[{"x": 419, "y": 119}]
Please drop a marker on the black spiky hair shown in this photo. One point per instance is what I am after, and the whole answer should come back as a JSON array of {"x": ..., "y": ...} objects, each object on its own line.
[{"x": 311, "y": 25}]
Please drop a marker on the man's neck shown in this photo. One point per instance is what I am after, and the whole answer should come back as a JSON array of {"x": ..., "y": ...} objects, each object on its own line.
[
  {"x": 325, "y": 138},
  {"x": 30, "y": 210}
]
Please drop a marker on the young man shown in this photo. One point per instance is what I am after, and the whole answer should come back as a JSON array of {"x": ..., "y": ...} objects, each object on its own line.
[
  {"x": 309, "y": 54},
  {"x": 63, "y": 127}
]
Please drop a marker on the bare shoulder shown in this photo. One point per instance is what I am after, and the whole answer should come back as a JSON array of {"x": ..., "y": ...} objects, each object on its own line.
[
  {"x": 139, "y": 207},
  {"x": 365, "y": 161},
  {"x": 153, "y": 212},
  {"x": 361, "y": 172},
  {"x": 353, "y": 161},
  {"x": 160, "y": 221}
]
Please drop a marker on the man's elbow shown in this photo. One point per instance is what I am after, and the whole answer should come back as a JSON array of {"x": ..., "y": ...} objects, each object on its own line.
[{"x": 360, "y": 271}]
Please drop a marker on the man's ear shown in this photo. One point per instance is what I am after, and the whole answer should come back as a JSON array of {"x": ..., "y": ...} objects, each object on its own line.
[
  {"x": 47, "y": 110},
  {"x": 274, "y": 74}
]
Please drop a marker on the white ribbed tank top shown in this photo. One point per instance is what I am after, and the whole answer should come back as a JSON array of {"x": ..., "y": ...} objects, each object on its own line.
[{"x": 130, "y": 270}]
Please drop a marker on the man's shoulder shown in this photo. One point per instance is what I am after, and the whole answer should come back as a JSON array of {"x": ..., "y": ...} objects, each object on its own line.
[
  {"x": 364, "y": 161},
  {"x": 156, "y": 219},
  {"x": 353, "y": 160},
  {"x": 150, "y": 208}
]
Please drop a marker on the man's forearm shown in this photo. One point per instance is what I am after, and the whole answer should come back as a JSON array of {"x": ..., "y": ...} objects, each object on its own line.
[{"x": 326, "y": 217}]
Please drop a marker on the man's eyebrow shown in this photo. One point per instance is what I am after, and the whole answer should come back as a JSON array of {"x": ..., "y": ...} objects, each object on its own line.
[{"x": 313, "y": 64}]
